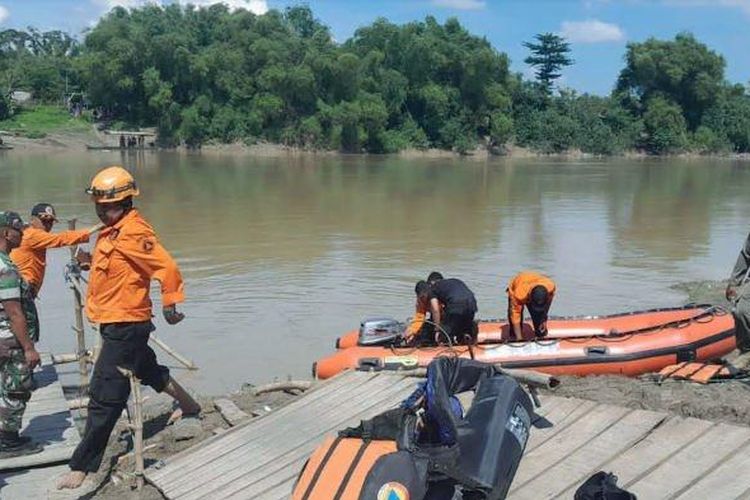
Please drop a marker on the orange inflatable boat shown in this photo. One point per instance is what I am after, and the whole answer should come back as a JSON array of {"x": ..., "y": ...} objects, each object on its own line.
[{"x": 629, "y": 344}]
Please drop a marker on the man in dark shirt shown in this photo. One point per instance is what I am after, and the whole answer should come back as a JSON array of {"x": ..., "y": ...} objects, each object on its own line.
[{"x": 452, "y": 308}]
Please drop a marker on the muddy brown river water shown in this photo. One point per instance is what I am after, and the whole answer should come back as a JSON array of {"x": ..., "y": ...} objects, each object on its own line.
[{"x": 282, "y": 255}]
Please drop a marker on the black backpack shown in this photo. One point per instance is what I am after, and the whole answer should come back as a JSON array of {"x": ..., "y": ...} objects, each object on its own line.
[{"x": 602, "y": 486}]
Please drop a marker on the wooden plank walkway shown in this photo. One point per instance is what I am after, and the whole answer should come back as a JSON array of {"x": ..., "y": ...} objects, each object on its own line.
[
  {"x": 655, "y": 455},
  {"x": 47, "y": 420}
]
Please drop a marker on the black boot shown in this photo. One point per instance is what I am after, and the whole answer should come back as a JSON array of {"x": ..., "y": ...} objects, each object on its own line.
[{"x": 13, "y": 445}]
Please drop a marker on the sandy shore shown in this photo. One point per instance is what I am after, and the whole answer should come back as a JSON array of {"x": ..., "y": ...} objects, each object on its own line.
[{"x": 77, "y": 141}]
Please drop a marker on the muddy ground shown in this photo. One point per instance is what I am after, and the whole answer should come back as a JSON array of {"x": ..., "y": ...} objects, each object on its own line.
[{"x": 727, "y": 401}]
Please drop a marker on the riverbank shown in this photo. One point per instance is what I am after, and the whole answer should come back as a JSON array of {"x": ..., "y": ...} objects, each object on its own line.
[
  {"x": 727, "y": 402},
  {"x": 79, "y": 137}
]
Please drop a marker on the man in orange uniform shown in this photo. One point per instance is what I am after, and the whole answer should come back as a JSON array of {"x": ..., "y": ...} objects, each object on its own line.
[
  {"x": 127, "y": 256},
  {"x": 535, "y": 291},
  {"x": 31, "y": 256}
]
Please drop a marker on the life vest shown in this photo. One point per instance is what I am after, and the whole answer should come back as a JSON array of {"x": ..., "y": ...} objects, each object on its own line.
[{"x": 395, "y": 457}]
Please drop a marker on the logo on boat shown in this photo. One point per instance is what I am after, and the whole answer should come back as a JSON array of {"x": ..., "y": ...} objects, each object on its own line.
[{"x": 393, "y": 491}]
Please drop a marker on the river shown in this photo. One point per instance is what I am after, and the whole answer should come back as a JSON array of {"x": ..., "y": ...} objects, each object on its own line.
[{"x": 281, "y": 255}]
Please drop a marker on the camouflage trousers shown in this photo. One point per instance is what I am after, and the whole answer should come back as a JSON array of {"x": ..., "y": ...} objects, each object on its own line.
[{"x": 16, "y": 384}]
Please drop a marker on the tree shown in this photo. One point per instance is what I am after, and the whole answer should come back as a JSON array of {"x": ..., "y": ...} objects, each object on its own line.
[
  {"x": 549, "y": 55},
  {"x": 665, "y": 126},
  {"x": 682, "y": 70}
]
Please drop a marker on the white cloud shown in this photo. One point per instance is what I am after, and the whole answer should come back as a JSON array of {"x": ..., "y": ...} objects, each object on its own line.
[
  {"x": 591, "y": 31},
  {"x": 461, "y": 4},
  {"x": 4, "y": 14},
  {"x": 743, "y": 5}
]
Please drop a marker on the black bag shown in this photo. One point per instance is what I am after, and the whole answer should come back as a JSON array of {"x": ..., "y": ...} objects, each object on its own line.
[{"x": 602, "y": 486}]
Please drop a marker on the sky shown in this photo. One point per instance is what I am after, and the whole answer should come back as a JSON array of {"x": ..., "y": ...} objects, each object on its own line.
[{"x": 598, "y": 30}]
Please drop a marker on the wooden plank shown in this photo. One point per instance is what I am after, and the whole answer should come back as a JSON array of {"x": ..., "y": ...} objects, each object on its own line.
[
  {"x": 174, "y": 464},
  {"x": 265, "y": 479},
  {"x": 298, "y": 418},
  {"x": 728, "y": 480},
  {"x": 231, "y": 413},
  {"x": 271, "y": 453},
  {"x": 691, "y": 462},
  {"x": 562, "y": 416},
  {"x": 565, "y": 442},
  {"x": 210, "y": 458},
  {"x": 653, "y": 449},
  {"x": 587, "y": 459},
  {"x": 48, "y": 421}
]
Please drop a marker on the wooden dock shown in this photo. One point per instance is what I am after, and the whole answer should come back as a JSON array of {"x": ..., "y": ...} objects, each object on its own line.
[
  {"x": 655, "y": 455},
  {"x": 48, "y": 421}
]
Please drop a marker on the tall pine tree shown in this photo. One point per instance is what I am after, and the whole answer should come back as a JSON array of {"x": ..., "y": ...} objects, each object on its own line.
[{"x": 549, "y": 55}]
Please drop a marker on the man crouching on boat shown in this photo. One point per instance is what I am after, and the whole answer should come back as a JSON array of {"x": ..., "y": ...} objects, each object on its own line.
[
  {"x": 535, "y": 292},
  {"x": 126, "y": 257},
  {"x": 452, "y": 307}
]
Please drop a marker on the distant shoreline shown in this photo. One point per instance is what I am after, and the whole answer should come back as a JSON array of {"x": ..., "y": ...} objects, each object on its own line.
[{"x": 77, "y": 141}]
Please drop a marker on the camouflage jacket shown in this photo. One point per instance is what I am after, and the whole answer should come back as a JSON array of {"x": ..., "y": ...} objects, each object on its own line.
[{"x": 14, "y": 287}]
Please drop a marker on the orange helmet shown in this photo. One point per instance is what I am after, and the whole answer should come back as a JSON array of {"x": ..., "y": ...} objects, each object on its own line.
[{"x": 112, "y": 184}]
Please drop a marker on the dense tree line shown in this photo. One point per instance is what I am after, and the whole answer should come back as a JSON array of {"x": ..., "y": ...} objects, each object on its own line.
[{"x": 211, "y": 74}]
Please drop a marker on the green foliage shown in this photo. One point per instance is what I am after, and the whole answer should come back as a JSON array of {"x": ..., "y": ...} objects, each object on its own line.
[
  {"x": 6, "y": 108},
  {"x": 549, "y": 55},
  {"x": 210, "y": 74},
  {"x": 682, "y": 70},
  {"x": 40, "y": 120},
  {"x": 38, "y": 62},
  {"x": 665, "y": 126}
]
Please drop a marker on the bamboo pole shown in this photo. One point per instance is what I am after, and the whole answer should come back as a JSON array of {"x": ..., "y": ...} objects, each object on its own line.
[
  {"x": 136, "y": 426},
  {"x": 291, "y": 385},
  {"x": 528, "y": 377},
  {"x": 164, "y": 347},
  {"x": 83, "y": 368}
]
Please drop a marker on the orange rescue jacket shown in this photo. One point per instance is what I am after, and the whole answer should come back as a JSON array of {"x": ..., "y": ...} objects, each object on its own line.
[
  {"x": 519, "y": 289},
  {"x": 31, "y": 256},
  {"x": 126, "y": 257},
  {"x": 420, "y": 314}
]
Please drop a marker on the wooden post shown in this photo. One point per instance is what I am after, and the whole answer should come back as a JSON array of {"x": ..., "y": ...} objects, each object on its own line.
[
  {"x": 80, "y": 333},
  {"x": 136, "y": 425}
]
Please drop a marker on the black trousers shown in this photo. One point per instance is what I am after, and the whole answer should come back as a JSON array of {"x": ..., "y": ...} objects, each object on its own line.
[
  {"x": 459, "y": 323},
  {"x": 124, "y": 345}
]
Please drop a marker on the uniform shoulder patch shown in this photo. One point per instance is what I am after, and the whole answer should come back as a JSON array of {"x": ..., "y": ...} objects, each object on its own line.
[{"x": 148, "y": 244}]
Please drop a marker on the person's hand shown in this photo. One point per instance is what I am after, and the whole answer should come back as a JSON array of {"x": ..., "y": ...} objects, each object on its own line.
[
  {"x": 84, "y": 258},
  {"x": 542, "y": 330},
  {"x": 730, "y": 293},
  {"x": 171, "y": 315},
  {"x": 32, "y": 357}
]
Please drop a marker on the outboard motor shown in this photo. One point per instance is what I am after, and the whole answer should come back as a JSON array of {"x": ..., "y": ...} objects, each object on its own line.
[
  {"x": 380, "y": 331},
  {"x": 427, "y": 449}
]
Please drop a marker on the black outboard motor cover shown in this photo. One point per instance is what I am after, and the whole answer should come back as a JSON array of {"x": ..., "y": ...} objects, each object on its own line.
[{"x": 492, "y": 436}]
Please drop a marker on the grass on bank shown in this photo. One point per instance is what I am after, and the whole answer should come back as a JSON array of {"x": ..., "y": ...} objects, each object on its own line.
[{"x": 38, "y": 121}]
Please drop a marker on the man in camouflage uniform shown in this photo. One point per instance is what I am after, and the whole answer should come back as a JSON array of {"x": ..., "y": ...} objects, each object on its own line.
[{"x": 19, "y": 329}]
